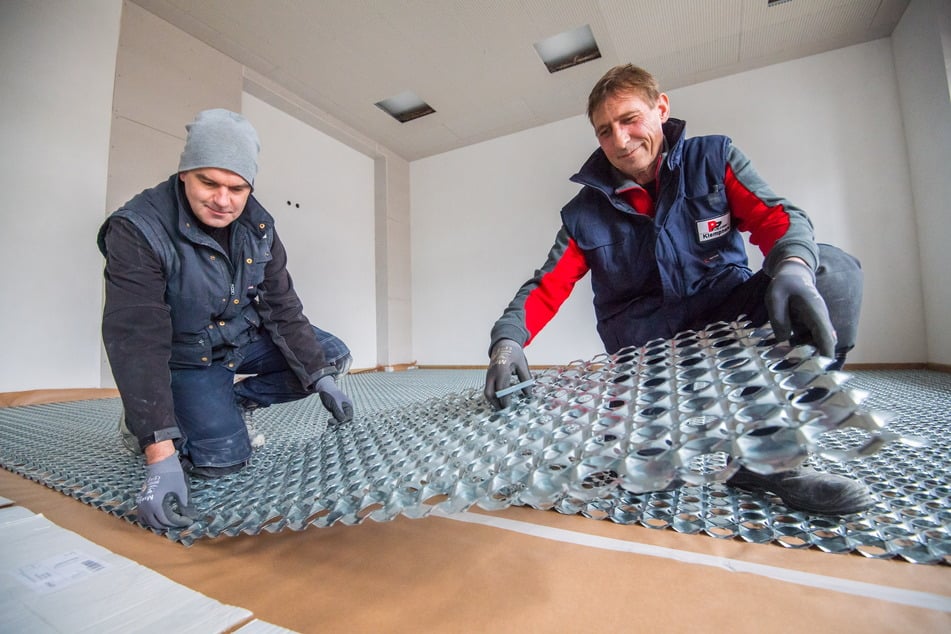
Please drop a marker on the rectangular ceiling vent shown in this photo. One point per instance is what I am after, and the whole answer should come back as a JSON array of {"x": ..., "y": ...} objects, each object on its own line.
[
  {"x": 405, "y": 106},
  {"x": 568, "y": 49}
]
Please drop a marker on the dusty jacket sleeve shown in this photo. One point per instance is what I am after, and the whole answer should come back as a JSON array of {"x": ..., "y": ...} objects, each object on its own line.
[
  {"x": 779, "y": 228},
  {"x": 538, "y": 299},
  {"x": 137, "y": 333},
  {"x": 282, "y": 315}
]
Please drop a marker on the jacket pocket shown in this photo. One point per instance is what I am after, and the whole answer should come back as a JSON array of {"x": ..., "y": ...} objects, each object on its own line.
[
  {"x": 191, "y": 350},
  {"x": 710, "y": 216}
]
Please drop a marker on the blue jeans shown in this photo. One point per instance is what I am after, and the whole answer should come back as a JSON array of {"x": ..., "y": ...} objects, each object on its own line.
[{"x": 208, "y": 402}]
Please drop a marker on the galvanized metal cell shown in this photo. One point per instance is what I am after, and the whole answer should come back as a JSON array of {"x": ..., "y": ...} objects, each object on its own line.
[{"x": 645, "y": 436}]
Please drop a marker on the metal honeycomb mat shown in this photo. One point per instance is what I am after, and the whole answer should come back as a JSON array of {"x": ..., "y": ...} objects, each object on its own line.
[{"x": 600, "y": 438}]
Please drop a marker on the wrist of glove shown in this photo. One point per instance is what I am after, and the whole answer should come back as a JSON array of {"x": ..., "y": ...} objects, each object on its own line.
[
  {"x": 337, "y": 403},
  {"x": 506, "y": 358},
  {"x": 796, "y": 310},
  {"x": 165, "y": 499}
]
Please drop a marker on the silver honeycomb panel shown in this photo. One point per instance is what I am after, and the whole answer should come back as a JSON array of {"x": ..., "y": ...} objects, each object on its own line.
[{"x": 600, "y": 438}]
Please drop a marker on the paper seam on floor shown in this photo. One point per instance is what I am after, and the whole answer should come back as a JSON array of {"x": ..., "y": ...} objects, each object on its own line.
[{"x": 912, "y": 598}]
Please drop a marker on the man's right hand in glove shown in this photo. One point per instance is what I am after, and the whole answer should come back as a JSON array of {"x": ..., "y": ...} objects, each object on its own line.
[
  {"x": 506, "y": 357},
  {"x": 164, "y": 501}
]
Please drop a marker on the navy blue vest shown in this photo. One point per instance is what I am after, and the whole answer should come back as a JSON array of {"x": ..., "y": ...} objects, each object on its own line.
[
  {"x": 212, "y": 297},
  {"x": 648, "y": 273}
]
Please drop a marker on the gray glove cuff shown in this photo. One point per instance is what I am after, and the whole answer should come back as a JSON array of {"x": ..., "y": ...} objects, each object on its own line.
[
  {"x": 797, "y": 268},
  {"x": 326, "y": 384},
  {"x": 165, "y": 466}
]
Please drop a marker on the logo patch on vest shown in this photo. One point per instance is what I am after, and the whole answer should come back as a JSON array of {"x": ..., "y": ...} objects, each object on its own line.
[{"x": 713, "y": 228}]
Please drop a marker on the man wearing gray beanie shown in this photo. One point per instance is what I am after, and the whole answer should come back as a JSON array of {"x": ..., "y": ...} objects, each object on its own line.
[{"x": 197, "y": 291}]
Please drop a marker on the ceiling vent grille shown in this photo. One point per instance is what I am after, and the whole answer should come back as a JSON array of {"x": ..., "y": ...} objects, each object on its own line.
[
  {"x": 405, "y": 106},
  {"x": 568, "y": 49}
]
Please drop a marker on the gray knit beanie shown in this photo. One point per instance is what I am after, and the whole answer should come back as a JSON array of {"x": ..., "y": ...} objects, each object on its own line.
[{"x": 223, "y": 139}]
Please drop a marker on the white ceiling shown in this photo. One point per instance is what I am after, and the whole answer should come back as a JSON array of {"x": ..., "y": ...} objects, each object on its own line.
[{"x": 474, "y": 60}]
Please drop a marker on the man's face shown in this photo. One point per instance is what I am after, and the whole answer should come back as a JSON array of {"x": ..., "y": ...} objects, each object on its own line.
[
  {"x": 217, "y": 197},
  {"x": 630, "y": 133}
]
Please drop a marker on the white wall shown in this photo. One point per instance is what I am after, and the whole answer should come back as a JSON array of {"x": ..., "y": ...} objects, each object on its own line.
[
  {"x": 394, "y": 315},
  {"x": 922, "y": 50},
  {"x": 825, "y": 131},
  {"x": 391, "y": 210},
  {"x": 57, "y": 65},
  {"x": 483, "y": 219},
  {"x": 327, "y": 228}
]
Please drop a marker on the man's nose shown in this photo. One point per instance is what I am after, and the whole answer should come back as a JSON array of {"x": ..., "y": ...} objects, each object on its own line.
[
  {"x": 221, "y": 196},
  {"x": 620, "y": 137}
]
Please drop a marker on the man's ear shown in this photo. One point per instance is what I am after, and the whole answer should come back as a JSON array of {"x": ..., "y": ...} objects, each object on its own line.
[{"x": 663, "y": 103}]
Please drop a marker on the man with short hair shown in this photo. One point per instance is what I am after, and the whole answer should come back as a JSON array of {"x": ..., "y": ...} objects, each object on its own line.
[
  {"x": 658, "y": 225},
  {"x": 197, "y": 291}
]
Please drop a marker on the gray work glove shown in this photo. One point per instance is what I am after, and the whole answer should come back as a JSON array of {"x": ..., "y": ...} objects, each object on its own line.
[
  {"x": 164, "y": 500},
  {"x": 336, "y": 402},
  {"x": 507, "y": 357},
  {"x": 796, "y": 310}
]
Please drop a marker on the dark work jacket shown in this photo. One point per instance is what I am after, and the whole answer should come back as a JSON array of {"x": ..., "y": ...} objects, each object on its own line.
[
  {"x": 655, "y": 274},
  {"x": 212, "y": 304},
  {"x": 640, "y": 264}
]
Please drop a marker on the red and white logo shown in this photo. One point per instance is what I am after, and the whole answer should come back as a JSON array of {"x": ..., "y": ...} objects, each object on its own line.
[{"x": 713, "y": 228}]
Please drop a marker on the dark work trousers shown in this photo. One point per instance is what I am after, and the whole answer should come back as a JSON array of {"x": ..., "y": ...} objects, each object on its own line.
[
  {"x": 838, "y": 280},
  {"x": 208, "y": 402}
]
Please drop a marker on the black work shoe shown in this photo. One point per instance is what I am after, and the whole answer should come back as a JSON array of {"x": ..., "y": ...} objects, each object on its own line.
[{"x": 808, "y": 490}]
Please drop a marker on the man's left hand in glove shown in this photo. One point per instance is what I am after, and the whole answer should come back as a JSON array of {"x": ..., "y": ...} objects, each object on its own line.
[
  {"x": 796, "y": 310},
  {"x": 333, "y": 398}
]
